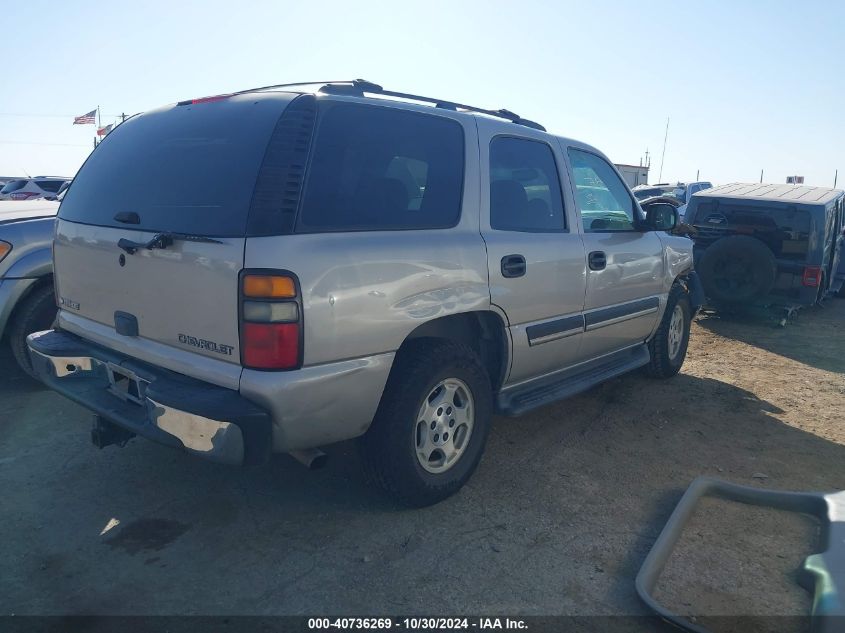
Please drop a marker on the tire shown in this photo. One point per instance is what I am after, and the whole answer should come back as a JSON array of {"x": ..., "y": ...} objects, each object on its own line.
[
  {"x": 737, "y": 269},
  {"x": 36, "y": 312},
  {"x": 668, "y": 346},
  {"x": 390, "y": 447}
]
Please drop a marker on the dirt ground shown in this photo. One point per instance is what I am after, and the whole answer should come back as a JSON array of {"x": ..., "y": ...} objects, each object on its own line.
[{"x": 557, "y": 520}]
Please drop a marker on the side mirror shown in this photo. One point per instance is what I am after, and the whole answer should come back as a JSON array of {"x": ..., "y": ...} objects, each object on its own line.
[{"x": 661, "y": 216}]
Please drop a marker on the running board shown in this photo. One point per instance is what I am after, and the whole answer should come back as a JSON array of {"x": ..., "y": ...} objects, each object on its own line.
[{"x": 548, "y": 389}]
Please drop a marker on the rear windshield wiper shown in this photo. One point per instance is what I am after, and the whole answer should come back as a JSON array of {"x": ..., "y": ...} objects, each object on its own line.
[{"x": 162, "y": 240}]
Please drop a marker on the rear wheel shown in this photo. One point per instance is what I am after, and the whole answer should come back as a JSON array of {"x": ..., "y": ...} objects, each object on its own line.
[
  {"x": 668, "y": 346},
  {"x": 35, "y": 313},
  {"x": 432, "y": 423}
]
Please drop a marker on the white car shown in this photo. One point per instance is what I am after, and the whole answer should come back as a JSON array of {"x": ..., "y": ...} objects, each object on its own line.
[{"x": 33, "y": 188}]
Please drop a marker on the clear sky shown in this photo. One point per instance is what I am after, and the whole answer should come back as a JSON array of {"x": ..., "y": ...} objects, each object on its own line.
[{"x": 748, "y": 85}]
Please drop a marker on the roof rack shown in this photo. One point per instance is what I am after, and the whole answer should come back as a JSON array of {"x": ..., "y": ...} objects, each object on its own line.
[{"x": 359, "y": 87}]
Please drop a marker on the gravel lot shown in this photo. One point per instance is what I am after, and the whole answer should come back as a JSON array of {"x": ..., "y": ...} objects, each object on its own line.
[{"x": 557, "y": 520}]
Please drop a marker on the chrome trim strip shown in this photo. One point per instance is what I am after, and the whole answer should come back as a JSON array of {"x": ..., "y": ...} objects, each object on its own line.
[
  {"x": 554, "y": 337},
  {"x": 620, "y": 319},
  {"x": 555, "y": 328}
]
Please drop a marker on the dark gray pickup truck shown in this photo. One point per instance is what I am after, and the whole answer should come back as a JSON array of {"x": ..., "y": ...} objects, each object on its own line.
[{"x": 27, "y": 302}]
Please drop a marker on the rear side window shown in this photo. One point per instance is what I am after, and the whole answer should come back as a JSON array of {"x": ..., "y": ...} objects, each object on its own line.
[
  {"x": 186, "y": 169},
  {"x": 525, "y": 190},
  {"x": 375, "y": 168},
  {"x": 13, "y": 185}
]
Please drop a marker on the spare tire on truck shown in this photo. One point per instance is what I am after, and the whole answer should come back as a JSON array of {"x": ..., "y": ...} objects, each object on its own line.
[{"x": 737, "y": 269}]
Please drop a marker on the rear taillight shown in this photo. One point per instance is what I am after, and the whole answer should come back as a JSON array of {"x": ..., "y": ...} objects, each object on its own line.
[
  {"x": 812, "y": 277},
  {"x": 271, "y": 321}
]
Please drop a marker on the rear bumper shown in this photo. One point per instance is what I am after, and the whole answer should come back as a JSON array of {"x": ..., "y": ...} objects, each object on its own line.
[{"x": 206, "y": 420}]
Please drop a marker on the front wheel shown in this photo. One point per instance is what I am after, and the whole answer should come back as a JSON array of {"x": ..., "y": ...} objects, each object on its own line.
[
  {"x": 668, "y": 346},
  {"x": 432, "y": 423}
]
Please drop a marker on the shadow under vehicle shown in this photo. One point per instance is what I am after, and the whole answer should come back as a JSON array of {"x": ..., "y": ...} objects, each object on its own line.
[{"x": 766, "y": 245}]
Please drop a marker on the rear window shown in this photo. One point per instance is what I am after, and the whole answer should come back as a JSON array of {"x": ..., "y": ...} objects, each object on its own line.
[
  {"x": 52, "y": 186},
  {"x": 760, "y": 216},
  {"x": 375, "y": 168},
  {"x": 184, "y": 169},
  {"x": 13, "y": 185}
]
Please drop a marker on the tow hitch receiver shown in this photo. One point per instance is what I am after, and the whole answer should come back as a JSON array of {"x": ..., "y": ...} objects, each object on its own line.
[{"x": 104, "y": 433}]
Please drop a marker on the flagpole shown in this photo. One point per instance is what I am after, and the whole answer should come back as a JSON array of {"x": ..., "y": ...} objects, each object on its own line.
[{"x": 99, "y": 125}]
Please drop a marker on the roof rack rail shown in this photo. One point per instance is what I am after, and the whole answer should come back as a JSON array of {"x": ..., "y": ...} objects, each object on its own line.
[{"x": 359, "y": 87}]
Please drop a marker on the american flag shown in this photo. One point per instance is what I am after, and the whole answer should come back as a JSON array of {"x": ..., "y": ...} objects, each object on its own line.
[{"x": 85, "y": 119}]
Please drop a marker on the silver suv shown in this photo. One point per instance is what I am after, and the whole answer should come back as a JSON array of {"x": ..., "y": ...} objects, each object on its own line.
[{"x": 276, "y": 270}]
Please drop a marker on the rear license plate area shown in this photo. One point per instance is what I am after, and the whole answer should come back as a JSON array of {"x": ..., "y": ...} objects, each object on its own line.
[{"x": 124, "y": 384}]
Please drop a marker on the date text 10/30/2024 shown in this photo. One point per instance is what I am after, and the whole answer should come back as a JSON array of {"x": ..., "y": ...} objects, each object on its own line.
[{"x": 417, "y": 623}]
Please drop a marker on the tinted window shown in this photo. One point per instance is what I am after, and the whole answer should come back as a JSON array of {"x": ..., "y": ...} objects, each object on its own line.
[
  {"x": 13, "y": 185},
  {"x": 187, "y": 169},
  {"x": 375, "y": 168},
  {"x": 524, "y": 186},
  {"x": 603, "y": 198},
  {"x": 50, "y": 185}
]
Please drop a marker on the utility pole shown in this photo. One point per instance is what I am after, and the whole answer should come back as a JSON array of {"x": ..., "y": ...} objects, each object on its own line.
[
  {"x": 697, "y": 171},
  {"x": 122, "y": 117},
  {"x": 835, "y": 178},
  {"x": 761, "y": 175},
  {"x": 663, "y": 155}
]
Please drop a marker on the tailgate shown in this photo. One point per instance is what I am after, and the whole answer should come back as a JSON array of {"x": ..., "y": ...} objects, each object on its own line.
[{"x": 185, "y": 296}]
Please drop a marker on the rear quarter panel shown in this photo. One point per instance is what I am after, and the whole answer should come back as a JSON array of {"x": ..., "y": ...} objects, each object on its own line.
[{"x": 363, "y": 293}]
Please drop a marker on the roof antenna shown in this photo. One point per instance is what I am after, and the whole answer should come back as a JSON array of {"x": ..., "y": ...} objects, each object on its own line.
[
  {"x": 24, "y": 171},
  {"x": 663, "y": 155}
]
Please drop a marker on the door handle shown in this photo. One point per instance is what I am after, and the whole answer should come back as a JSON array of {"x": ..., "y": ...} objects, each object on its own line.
[
  {"x": 513, "y": 266},
  {"x": 597, "y": 260}
]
